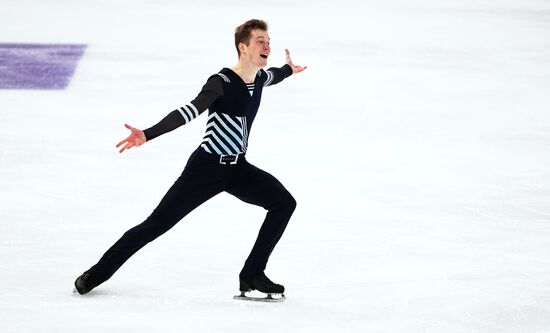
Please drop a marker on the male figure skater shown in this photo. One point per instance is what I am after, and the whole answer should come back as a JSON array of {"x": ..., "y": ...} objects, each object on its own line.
[{"x": 218, "y": 164}]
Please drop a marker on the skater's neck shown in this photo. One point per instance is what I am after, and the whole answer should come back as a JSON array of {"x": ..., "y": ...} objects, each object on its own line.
[{"x": 246, "y": 71}]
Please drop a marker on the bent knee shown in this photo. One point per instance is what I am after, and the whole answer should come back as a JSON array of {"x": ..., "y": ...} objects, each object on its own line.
[
  {"x": 291, "y": 202},
  {"x": 288, "y": 203},
  {"x": 282, "y": 201}
]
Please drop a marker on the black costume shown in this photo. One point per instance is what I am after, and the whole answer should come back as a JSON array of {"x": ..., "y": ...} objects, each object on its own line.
[{"x": 218, "y": 165}]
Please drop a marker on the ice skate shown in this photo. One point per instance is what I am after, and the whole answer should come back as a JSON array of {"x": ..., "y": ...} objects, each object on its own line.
[
  {"x": 84, "y": 284},
  {"x": 262, "y": 284}
]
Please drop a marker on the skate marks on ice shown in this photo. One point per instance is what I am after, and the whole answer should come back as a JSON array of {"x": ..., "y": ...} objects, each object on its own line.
[{"x": 260, "y": 297}]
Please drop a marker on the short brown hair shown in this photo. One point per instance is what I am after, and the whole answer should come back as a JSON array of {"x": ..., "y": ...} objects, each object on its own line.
[{"x": 243, "y": 31}]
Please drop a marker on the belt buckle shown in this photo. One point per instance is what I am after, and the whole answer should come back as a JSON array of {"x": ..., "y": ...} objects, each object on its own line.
[{"x": 229, "y": 159}]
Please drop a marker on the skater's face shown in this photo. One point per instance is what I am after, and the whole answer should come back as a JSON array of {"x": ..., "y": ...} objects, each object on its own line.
[{"x": 258, "y": 49}]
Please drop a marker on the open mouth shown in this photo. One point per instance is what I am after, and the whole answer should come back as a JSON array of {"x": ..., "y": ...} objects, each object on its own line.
[{"x": 263, "y": 56}]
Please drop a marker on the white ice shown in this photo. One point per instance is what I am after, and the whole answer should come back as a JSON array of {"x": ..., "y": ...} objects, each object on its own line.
[{"x": 417, "y": 144}]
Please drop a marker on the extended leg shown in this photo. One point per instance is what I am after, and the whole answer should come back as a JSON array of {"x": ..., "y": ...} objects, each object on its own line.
[{"x": 187, "y": 193}]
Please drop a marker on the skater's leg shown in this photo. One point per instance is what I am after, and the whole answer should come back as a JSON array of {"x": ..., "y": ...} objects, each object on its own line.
[
  {"x": 257, "y": 187},
  {"x": 187, "y": 193}
]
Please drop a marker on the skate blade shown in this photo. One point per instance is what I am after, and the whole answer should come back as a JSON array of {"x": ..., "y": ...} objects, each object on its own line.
[{"x": 268, "y": 299}]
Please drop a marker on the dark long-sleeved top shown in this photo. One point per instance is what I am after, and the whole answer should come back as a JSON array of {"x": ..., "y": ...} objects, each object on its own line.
[{"x": 232, "y": 106}]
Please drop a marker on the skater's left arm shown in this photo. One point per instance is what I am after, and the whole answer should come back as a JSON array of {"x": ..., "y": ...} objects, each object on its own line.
[{"x": 276, "y": 74}]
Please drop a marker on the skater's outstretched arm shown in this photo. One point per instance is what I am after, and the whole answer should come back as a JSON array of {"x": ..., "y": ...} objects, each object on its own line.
[
  {"x": 276, "y": 74},
  {"x": 211, "y": 91}
]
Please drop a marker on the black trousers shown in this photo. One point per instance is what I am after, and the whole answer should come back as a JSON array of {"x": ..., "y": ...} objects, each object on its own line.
[{"x": 203, "y": 178}]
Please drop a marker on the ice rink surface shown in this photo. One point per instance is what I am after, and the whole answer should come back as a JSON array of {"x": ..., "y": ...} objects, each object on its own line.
[{"x": 417, "y": 144}]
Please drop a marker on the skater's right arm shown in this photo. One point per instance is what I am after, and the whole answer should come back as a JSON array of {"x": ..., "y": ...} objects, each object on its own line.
[{"x": 211, "y": 91}]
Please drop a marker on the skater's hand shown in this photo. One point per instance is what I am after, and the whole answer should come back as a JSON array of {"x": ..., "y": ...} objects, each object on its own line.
[
  {"x": 136, "y": 139},
  {"x": 295, "y": 68}
]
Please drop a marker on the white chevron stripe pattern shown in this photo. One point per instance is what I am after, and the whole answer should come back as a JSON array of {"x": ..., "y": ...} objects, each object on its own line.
[
  {"x": 211, "y": 145},
  {"x": 206, "y": 148},
  {"x": 231, "y": 121},
  {"x": 226, "y": 138},
  {"x": 225, "y": 134},
  {"x": 219, "y": 142}
]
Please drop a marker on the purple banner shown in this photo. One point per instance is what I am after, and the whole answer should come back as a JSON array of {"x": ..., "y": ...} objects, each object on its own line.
[{"x": 38, "y": 66}]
